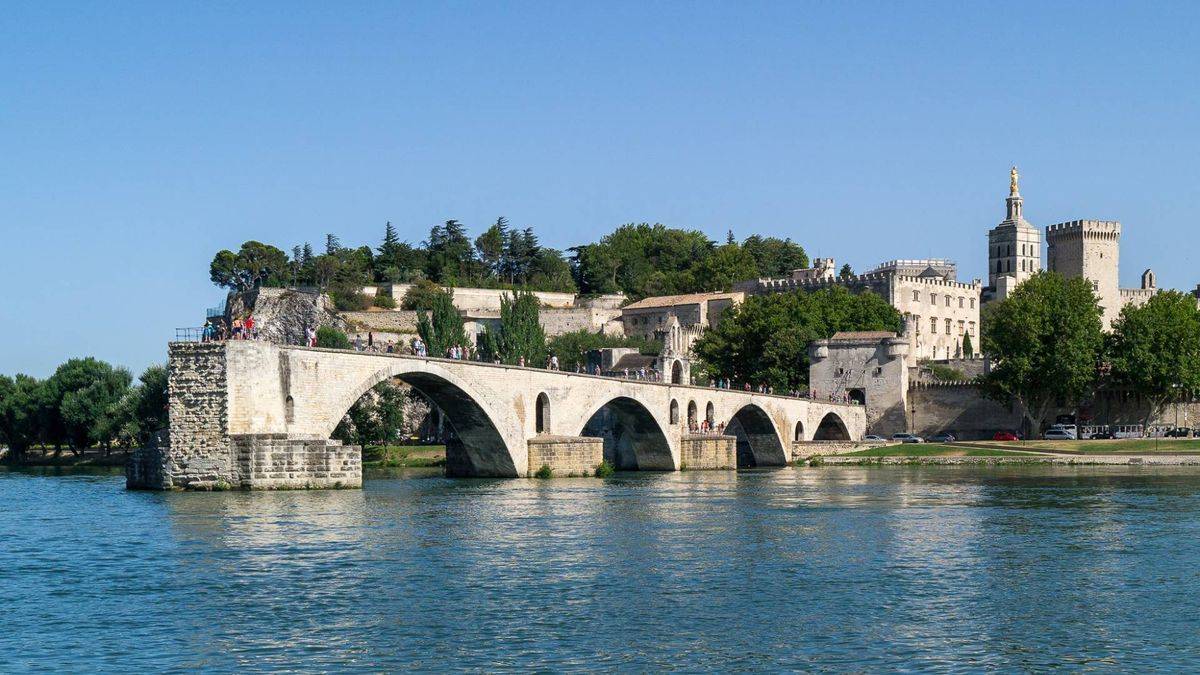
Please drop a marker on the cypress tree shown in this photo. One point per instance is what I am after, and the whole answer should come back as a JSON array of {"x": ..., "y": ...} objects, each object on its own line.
[{"x": 520, "y": 332}]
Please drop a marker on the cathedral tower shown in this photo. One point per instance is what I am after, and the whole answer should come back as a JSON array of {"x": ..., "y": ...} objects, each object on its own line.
[
  {"x": 1090, "y": 249},
  {"x": 1014, "y": 247}
]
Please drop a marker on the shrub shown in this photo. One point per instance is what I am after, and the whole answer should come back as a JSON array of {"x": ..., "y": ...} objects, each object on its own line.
[
  {"x": 329, "y": 337},
  {"x": 350, "y": 300},
  {"x": 544, "y": 472},
  {"x": 604, "y": 469},
  {"x": 385, "y": 301},
  {"x": 944, "y": 373},
  {"x": 422, "y": 295}
]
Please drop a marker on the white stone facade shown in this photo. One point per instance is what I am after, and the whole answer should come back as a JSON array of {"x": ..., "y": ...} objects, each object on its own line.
[{"x": 870, "y": 367}]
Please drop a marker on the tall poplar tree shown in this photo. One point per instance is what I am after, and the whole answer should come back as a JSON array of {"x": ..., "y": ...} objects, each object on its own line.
[{"x": 520, "y": 332}]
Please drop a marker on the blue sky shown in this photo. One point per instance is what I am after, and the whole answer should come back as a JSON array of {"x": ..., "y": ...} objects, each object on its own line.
[{"x": 139, "y": 138}]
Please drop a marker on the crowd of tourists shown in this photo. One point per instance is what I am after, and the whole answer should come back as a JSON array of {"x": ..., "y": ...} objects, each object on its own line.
[{"x": 239, "y": 329}]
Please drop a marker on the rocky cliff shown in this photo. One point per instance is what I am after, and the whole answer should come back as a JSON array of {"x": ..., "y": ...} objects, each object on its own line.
[{"x": 282, "y": 315}]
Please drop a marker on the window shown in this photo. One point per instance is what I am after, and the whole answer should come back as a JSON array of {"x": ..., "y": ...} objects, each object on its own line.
[
  {"x": 971, "y": 327},
  {"x": 948, "y": 327},
  {"x": 932, "y": 299},
  {"x": 947, "y": 301},
  {"x": 961, "y": 327},
  {"x": 839, "y": 372},
  {"x": 916, "y": 296},
  {"x": 879, "y": 371},
  {"x": 960, "y": 303},
  {"x": 933, "y": 324},
  {"x": 972, "y": 303}
]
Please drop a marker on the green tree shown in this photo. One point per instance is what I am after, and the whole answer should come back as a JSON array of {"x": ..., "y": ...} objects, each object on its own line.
[
  {"x": 725, "y": 266},
  {"x": 490, "y": 245},
  {"x": 846, "y": 272},
  {"x": 1155, "y": 350},
  {"x": 255, "y": 264},
  {"x": 329, "y": 337},
  {"x": 550, "y": 272},
  {"x": 774, "y": 257},
  {"x": 19, "y": 401},
  {"x": 442, "y": 327},
  {"x": 641, "y": 260},
  {"x": 520, "y": 333},
  {"x": 451, "y": 257},
  {"x": 92, "y": 413},
  {"x": 968, "y": 347},
  {"x": 376, "y": 418},
  {"x": 765, "y": 339},
  {"x": 1045, "y": 343}
]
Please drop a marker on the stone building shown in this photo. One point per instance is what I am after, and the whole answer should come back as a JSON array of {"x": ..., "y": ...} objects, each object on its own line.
[
  {"x": 1014, "y": 247},
  {"x": 939, "y": 311},
  {"x": 871, "y": 367},
  {"x": 1091, "y": 249},
  {"x": 649, "y": 316}
]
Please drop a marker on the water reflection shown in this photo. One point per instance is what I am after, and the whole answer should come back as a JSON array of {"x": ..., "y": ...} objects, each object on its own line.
[{"x": 843, "y": 568}]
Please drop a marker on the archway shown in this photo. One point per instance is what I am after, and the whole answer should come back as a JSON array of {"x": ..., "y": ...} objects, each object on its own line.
[
  {"x": 799, "y": 432},
  {"x": 677, "y": 372},
  {"x": 543, "y": 413},
  {"x": 673, "y": 418},
  {"x": 858, "y": 396},
  {"x": 831, "y": 428},
  {"x": 632, "y": 438},
  {"x": 710, "y": 415},
  {"x": 692, "y": 423},
  {"x": 474, "y": 446},
  {"x": 758, "y": 443}
]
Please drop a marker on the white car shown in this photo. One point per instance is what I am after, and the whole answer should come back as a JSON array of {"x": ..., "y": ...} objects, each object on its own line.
[
  {"x": 1058, "y": 435},
  {"x": 907, "y": 438}
]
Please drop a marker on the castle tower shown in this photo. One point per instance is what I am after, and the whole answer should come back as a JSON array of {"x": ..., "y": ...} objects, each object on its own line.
[
  {"x": 1014, "y": 246},
  {"x": 1090, "y": 249}
]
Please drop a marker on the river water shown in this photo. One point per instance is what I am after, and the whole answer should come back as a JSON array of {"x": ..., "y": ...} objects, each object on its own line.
[{"x": 837, "y": 568}]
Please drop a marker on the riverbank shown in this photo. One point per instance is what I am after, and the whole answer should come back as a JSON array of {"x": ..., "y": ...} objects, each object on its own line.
[
  {"x": 88, "y": 458},
  {"x": 1136, "y": 452},
  {"x": 404, "y": 456}
]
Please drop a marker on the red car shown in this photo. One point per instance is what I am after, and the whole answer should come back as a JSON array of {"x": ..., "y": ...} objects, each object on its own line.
[{"x": 1005, "y": 436}]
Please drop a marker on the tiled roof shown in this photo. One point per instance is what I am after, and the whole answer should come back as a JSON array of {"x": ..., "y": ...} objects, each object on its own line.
[{"x": 676, "y": 300}]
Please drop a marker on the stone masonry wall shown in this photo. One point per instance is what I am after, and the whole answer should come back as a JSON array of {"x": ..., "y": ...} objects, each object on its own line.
[
  {"x": 565, "y": 455},
  {"x": 198, "y": 451},
  {"x": 275, "y": 461},
  {"x": 708, "y": 452},
  {"x": 805, "y": 449}
]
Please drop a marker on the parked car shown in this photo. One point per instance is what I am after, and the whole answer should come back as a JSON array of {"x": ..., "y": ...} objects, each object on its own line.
[
  {"x": 1005, "y": 436},
  {"x": 1101, "y": 435},
  {"x": 907, "y": 438},
  {"x": 873, "y": 437},
  {"x": 944, "y": 437},
  {"x": 1069, "y": 429},
  {"x": 1058, "y": 435},
  {"x": 1178, "y": 432}
]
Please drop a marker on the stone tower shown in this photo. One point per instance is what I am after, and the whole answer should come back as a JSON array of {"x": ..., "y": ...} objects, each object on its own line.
[
  {"x": 1090, "y": 249},
  {"x": 1014, "y": 247}
]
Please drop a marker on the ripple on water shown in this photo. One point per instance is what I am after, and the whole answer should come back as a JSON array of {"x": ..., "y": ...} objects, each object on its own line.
[{"x": 847, "y": 568}]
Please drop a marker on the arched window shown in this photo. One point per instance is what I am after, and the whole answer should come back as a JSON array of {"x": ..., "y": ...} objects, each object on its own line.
[
  {"x": 674, "y": 412},
  {"x": 543, "y": 413},
  {"x": 289, "y": 410},
  {"x": 691, "y": 414},
  {"x": 709, "y": 414}
]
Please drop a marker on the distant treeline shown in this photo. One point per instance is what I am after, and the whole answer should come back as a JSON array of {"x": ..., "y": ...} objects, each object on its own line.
[
  {"x": 85, "y": 403},
  {"x": 638, "y": 260}
]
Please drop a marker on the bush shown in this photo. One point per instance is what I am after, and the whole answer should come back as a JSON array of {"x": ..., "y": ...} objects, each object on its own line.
[
  {"x": 544, "y": 472},
  {"x": 422, "y": 295},
  {"x": 385, "y": 301},
  {"x": 329, "y": 337},
  {"x": 604, "y": 469},
  {"x": 943, "y": 373},
  {"x": 350, "y": 300}
]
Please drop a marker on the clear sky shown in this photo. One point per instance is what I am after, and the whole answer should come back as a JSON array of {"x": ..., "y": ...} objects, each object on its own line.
[{"x": 139, "y": 138}]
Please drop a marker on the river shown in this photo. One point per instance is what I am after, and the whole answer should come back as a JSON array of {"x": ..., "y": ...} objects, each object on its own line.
[{"x": 846, "y": 568}]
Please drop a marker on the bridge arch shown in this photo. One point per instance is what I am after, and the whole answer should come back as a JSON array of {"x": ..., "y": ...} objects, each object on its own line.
[
  {"x": 692, "y": 423},
  {"x": 633, "y": 438},
  {"x": 831, "y": 428},
  {"x": 758, "y": 442},
  {"x": 474, "y": 446}
]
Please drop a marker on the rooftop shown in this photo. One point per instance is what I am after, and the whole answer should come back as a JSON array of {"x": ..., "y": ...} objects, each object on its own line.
[
  {"x": 862, "y": 335},
  {"x": 688, "y": 299}
]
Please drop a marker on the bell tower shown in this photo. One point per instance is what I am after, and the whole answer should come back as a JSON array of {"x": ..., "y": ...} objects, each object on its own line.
[{"x": 1014, "y": 246}]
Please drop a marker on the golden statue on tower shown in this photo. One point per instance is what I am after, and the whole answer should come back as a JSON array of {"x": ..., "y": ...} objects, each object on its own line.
[{"x": 1012, "y": 180}]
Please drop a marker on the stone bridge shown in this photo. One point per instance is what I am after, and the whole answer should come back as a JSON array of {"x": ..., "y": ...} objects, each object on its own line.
[{"x": 259, "y": 415}]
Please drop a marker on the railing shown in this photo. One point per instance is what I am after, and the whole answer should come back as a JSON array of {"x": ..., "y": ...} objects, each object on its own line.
[
  {"x": 189, "y": 334},
  {"x": 212, "y": 312}
]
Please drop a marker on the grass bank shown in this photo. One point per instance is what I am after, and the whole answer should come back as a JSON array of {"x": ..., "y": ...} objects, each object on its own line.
[
  {"x": 1119, "y": 446},
  {"x": 404, "y": 455},
  {"x": 39, "y": 456},
  {"x": 933, "y": 450}
]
